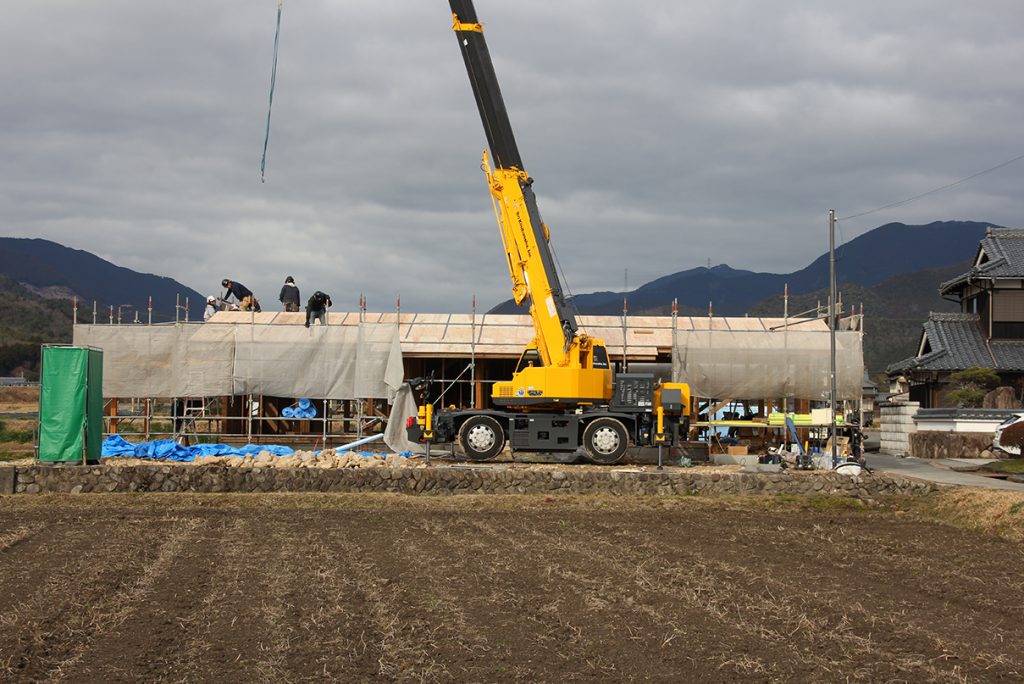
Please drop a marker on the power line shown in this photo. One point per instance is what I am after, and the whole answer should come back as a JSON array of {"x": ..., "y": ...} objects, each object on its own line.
[{"x": 935, "y": 190}]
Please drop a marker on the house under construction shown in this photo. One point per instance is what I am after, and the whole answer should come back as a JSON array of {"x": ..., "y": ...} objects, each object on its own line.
[{"x": 238, "y": 377}]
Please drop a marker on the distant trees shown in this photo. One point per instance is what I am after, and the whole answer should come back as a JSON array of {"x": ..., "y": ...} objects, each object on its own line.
[
  {"x": 20, "y": 356},
  {"x": 970, "y": 386}
]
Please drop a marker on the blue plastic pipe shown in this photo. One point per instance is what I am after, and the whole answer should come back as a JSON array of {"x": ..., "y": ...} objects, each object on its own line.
[{"x": 360, "y": 442}]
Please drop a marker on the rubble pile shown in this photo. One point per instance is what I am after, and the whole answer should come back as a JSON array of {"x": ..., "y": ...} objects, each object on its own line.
[{"x": 311, "y": 459}]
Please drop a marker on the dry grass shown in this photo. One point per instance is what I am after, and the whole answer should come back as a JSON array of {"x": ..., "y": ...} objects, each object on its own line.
[
  {"x": 19, "y": 396},
  {"x": 993, "y": 511},
  {"x": 317, "y": 587}
]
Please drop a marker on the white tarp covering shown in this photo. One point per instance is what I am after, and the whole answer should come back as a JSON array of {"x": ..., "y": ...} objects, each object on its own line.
[
  {"x": 287, "y": 361},
  {"x": 195, "y": 360},
  {"x": 403, "y": 408},
  {"x": 725, "y": 364}
]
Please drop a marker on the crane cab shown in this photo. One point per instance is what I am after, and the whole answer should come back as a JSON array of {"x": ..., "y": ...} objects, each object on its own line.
[{"x": 534, "y": 385}]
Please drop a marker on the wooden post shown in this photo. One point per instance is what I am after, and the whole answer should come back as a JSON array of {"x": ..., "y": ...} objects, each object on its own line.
[
  {"x": 112, "y": 411},
  {"x": 478, "y": 393}
]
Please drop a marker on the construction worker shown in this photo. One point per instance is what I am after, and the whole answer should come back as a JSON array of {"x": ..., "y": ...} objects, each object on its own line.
[
  {"x": 316, "y": 307},
  {"x": 289, "y": 295},
  {"x": 246, "y": 300},
  {"x": 211, "y": 308}
]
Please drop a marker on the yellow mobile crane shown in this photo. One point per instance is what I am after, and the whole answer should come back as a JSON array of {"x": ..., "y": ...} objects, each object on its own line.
[{"x": 563, "y": 395}]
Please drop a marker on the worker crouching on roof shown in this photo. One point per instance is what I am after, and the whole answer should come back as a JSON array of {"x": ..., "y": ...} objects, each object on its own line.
[
  {"x": 211, "y": 308},
  {"x": 316, "y": 307},
  {"x": 246, "y": 300},
  {"x": 290, "y": 295}
]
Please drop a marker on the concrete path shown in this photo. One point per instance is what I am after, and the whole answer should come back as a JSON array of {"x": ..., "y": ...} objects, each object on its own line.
[{"x": 925, "y": 469}]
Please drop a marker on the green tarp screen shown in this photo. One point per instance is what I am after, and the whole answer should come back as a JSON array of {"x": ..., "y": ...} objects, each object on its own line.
[{"x": 71, "y": 404}]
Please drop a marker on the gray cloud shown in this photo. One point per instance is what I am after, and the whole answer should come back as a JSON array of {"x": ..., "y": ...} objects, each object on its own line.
[{"x": 661, "y": 134}]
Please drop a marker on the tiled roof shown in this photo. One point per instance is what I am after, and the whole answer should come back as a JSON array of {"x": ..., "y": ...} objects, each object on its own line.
[
  {"x": 1009, "y": 354},
  {"x": 956, "y": 343},
  {"x": 1005, "y": 251}
]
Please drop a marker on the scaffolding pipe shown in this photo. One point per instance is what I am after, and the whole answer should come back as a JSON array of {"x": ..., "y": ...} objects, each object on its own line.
[
  {"x": 325, "y": 422},
  {"x": 248, "y": 420},
  {"x": 625, "y": 343},
  {"x": 472, "y": 354},
  {"x": 832, "y": 328}
]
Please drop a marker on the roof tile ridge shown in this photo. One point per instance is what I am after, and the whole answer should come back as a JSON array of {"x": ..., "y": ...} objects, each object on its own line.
[
  {"x": 1007, "y": 232},
  {"x": 952, "y": 316},
  {"x": 994, "y": 250}
]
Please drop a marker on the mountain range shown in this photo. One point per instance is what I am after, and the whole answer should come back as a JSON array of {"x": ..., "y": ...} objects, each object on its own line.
[
  {"x": 54, "y": 271},
  {"x": 39, "y": 277},
  {"x": 893, "y": 270},
  {"x": 868, "y": 260}
]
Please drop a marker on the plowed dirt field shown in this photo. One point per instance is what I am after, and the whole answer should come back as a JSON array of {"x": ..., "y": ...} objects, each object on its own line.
[{"x": 292, "y": 588}]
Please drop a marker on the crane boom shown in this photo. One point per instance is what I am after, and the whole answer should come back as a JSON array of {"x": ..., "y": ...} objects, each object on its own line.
[
  {"x": 563, "y": 395},
  {"x": 524, "y": 235}
]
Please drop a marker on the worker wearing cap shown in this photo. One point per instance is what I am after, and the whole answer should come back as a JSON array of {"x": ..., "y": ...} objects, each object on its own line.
[
  {"x": 211, "y": 308},
  {"x": 246, "y": 300},
  {"x": 316, "y": 307},
  {"x": 289, "y": 295}
]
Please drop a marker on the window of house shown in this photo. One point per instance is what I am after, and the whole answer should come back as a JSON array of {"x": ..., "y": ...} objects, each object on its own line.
[{"x": 1008, "y": 314}]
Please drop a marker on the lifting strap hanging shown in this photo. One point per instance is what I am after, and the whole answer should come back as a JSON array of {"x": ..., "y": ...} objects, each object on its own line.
[{"x": 270, "y": 105}]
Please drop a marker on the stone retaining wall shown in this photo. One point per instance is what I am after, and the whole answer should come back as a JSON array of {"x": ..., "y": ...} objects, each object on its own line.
[
  {"x": 925, "y": 444},
  {"x": 897, "y": 424},
  {"x": 446, "y": 480}
]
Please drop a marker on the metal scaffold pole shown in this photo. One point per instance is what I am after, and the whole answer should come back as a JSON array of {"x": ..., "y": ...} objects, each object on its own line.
[
  {"x": 472, "y": 354},
  {"x": 625, "y": 340},
  {"x": 832, "y": 328}
]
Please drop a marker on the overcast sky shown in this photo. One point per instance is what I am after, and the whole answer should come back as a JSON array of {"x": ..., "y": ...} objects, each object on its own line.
[{"x": 661, "y": 134}]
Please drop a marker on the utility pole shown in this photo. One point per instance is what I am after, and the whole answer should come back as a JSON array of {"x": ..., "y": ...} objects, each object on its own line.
[{"x": 832, "y": 327}]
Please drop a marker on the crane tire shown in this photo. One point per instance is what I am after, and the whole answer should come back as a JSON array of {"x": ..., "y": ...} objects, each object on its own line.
[
  {"x": 605, "y": 440},
  {"x": 481, "y": 438}
]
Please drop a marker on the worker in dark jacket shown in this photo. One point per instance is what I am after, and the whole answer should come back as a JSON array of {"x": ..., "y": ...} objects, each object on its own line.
[
  {"x": 289, "y": 295},
  {"x": 316, "y": 307},
  {"x": 246, "y": 300}
]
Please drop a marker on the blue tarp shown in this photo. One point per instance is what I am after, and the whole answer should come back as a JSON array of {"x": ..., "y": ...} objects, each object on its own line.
[{"x": 169, "y": 450}]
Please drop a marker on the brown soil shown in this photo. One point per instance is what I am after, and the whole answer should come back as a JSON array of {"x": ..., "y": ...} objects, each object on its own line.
[{"x": 357, "y": 588}]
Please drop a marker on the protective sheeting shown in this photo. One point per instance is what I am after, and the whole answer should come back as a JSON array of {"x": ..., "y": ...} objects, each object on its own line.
[
  {"x": 402, "y": 409},
  {"x": 725, "y": 364},
  {"x": 286, "y": 361},
  {"x": 196, "y": 360},
  {"x": 70, "y": 405},
  {"x": 116, "y": 446},
  {"x": 162, "y": 360}
]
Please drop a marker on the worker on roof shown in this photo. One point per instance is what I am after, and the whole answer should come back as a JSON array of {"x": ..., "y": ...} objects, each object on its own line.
[
  {"x": 289, "y": 295},
  {"x": 316, "y": 307},
  {"x": 211, "y": 308},
  {"x": 246, "y": 300}
]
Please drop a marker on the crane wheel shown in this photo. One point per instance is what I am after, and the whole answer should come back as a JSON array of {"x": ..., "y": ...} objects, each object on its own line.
[
  {"x": 481, "y": 438},
  {"x": 605, "y": 441}
]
